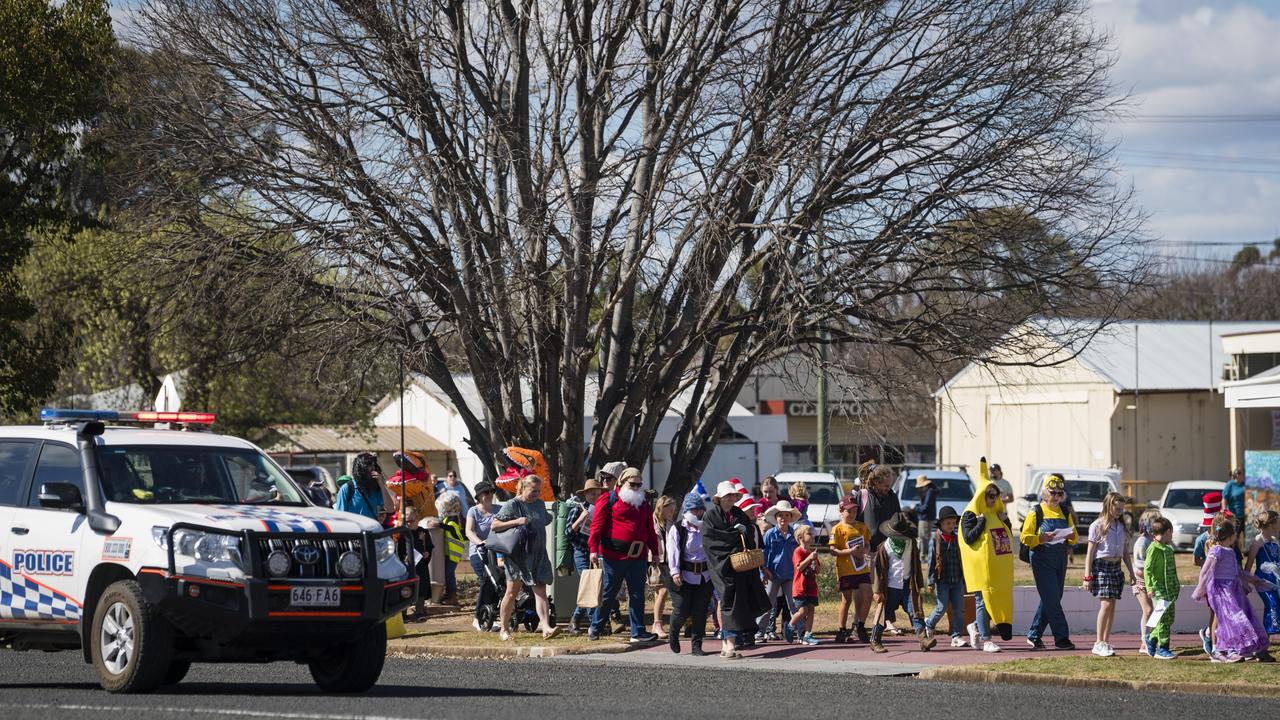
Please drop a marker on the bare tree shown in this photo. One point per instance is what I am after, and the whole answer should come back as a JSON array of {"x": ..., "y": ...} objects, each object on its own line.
[{"x": 627, "y": 205}]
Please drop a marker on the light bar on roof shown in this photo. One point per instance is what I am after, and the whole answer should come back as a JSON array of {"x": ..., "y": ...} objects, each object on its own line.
[{"x": 143, "y": 416}]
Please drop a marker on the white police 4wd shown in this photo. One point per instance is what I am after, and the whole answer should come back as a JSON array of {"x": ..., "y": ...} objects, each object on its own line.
[{"x": 150, "y": 549}]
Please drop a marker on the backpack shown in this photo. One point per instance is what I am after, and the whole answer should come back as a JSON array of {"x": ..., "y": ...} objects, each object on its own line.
[{"x": 1024, "y": 552}]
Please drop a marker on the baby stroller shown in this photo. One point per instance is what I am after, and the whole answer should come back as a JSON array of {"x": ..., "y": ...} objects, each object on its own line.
[{"x": 492, "y": 587}]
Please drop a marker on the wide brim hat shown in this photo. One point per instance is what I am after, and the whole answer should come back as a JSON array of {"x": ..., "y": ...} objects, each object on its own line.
[
  {"x": 898, "y": 527},
  {"x": 922, "y": 481},
  {"x": 589, "y": 486},
  {"x": 725, "y": 489},
  {"x": 778, "y": 508},
  {"x": 482, "y": 487},
  {"x": 946, "y": 512}
]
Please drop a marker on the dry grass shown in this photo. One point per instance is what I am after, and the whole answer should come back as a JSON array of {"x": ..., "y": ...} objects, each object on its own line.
[{"x": 1190, "y": 667}]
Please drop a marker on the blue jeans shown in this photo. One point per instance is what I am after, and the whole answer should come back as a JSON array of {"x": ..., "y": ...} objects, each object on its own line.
[
  {"x": 1049, "y": 568},
  {"x": 633, "y": 572},
  {"x": 949, "y": 594},
  {"x": 450, "y": 577},
  {"x": 981, "y": 617},
  {"x": 581, "y": 561}
]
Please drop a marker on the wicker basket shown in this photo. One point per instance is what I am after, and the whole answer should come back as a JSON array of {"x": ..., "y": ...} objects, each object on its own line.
[{"x": 747, "y": 560}]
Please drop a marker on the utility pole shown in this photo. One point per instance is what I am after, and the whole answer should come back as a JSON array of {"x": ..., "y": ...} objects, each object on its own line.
[{"x": 822, "y": 357}]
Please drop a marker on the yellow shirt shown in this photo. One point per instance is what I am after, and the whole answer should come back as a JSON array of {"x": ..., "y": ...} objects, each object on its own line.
[
  {"x": 1031, "y": 534},
  {"x": 841, "y": 534}
]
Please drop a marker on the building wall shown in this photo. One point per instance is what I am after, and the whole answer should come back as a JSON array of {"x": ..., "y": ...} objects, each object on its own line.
[
  {"x": 1020, "y": 417},
  {"x": 426, "y": 412},
  {"x": 1179, "y": 436}
]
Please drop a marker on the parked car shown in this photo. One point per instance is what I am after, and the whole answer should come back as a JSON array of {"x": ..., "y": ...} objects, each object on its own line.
[
  {"x": 825, "y": 494},
  {"x": 1183, "y": 505},
  {"x": 1086, "y": 488},
  {"x": 955, "y": 487}
]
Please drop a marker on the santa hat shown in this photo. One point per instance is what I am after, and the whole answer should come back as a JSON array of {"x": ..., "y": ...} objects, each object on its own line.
[{"x": 1212, "y": 506}]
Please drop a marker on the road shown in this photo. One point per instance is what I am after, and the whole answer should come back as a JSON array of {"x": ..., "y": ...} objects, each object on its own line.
[{"x": 36, "y": 685}]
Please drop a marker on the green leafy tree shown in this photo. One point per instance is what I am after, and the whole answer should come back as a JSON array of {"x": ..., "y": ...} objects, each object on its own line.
[{"x": 51, "y": 68}]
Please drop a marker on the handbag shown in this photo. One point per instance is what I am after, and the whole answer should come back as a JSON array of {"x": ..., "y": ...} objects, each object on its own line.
[
  {"x": 747, "y": 560},
  {"x": 590, "y": 587},
  {"x": 511, "y": 541}
]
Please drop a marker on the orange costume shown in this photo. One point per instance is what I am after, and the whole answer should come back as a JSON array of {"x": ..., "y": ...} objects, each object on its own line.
[{"x": 528, "y": 462}]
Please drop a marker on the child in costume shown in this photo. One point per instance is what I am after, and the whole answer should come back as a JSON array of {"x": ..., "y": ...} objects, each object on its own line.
[
  {"x": 896, "y": 580},
  {"x": 1146, "y": 536},
  {"x": 779, "y": 549},
  {"x": 1160, "y": 573},
  {"x": 987, "y": 557},
  {"x": 1264, "y": 559},
  {"x": 1106, "y": 561},
  {"x": 851, "y": 544},
  {"x": 686, "y": 562},
  {"x": 449, "y": 505},
  {"x": 804, "y": 587},
  {"x": 946, "y": 576},
  {"x": 1239, "y": 631}
]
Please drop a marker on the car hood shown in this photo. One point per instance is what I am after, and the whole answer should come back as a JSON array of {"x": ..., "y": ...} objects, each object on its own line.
[
  {"x": 262, "y": 518},
  {"x": 1183, "y": 516},
  {"x": 823, "y": 516}
]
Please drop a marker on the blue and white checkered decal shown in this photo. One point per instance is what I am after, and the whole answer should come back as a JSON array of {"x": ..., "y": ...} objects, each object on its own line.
[
  {"x": 272, "y": 519},
  {"x": 22, "y": 598}
]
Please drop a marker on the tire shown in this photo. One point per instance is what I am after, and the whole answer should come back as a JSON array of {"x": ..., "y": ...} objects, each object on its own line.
[
  {"x": 354, "y": 667},
  {"x": 177, "y": 671},
  {"x": 130, "y": 643}
]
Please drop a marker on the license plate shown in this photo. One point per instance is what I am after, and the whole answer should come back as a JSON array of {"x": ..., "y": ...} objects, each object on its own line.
[{"x": 315, "y": 596}]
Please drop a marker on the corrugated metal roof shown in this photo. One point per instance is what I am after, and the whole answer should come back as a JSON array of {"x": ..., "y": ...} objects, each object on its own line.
[
  {"x": 1154, "y": 355},
  {"x": 351, "y": 438}
]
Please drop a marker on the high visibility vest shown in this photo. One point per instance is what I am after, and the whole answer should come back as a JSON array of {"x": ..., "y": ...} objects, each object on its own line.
[{"x": 454, "y": 545}]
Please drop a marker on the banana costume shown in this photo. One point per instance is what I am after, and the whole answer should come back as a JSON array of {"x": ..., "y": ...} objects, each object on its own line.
[{"x": 987, "y": 554}]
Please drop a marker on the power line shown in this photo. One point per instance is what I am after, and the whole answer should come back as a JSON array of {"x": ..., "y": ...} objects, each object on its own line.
[
  {"x": 1210, "y": 118},
  {"x": 1199, "y": 157},
  {"x": 1193, "y": 168}
]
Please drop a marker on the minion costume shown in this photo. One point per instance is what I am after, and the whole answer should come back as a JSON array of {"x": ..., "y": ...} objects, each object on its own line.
[{"x": 987, "y": 553}]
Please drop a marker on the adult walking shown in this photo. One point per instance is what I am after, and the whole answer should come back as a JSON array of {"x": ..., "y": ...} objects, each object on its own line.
[
  {"x": 879, "y": 502},
  {"x": 689, "y": 573},
  {"x": 623, "y": 538},
  {"x": 529, "y": 565},
  {"x": 479, "y": 523},
  {"x": 725, "y": 531},
  {"x": 1048, "y": 554},
  {"x": 1233, "y": 498}
]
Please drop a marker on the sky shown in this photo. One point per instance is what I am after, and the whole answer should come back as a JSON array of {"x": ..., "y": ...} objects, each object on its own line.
[{"x": 1209, "y": 184}]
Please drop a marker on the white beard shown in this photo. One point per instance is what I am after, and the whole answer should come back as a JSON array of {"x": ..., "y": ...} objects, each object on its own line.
[
  {"x": 634, "y": 498},
  {"x": 692, "y": 521}
]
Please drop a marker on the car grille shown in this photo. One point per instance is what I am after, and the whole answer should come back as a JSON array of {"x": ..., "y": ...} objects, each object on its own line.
[
  {"x": 1189, "y": 529},
  {"x": 326, "y": 567},
  {"x": 1084, "y": 520}
]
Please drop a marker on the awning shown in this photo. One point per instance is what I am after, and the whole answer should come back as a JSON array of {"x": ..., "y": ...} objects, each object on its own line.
[
  {"x": 1260, "y": 391},
  {"x": 351, "y": 438}
]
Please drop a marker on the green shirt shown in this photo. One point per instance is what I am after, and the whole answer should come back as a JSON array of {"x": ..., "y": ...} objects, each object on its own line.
[{"x": 1161, "y": 572}]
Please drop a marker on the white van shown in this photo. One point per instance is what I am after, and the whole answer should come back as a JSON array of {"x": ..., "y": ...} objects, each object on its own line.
[{"x": 150, "y": 549}]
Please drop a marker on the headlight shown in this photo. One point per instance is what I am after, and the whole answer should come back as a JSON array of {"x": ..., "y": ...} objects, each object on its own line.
[
  {"x": 351, "y": 565},
  {"x": 208, "y": 547},
  {"x": 386, "y": 548}
]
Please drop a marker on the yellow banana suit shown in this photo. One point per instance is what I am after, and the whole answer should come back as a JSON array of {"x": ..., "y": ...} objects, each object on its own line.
[{"x": 988, "y": 560}]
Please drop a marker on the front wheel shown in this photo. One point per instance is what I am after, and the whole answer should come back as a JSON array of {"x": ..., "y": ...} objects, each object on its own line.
[
  {"x": 130, "y": 643},
  {"x": 354, "y": 667}
]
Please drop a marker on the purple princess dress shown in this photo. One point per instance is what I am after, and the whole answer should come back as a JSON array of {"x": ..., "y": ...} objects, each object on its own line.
[{"x": 1239, "y": 627}]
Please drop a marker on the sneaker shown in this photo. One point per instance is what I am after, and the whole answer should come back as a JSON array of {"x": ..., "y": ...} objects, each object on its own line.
[
  {"x": 1234, "y": 656},
  {"x": 593, "y": 634},
  {"x": 772, "y": 636},
  {"x": 789, "y": 633},
  {"x": 1035, "y": 643},
  {"x": 990, "y": 647},
  {"x": 644, "y": 637},
  {"x": 1098, "y": 649},
  {"x": 1107, "y": 650},
  {"x": 1264, "y": 656},
  {"x": 958, "y": 642},
  {"x": 761, "y": 637},
  {"x": 1206, "y": 641},
  {"x": 476, "y": 624},
  {"x": 808, "y": 639},
  {"x": 1148, "y": 647},
  {"x": 842, "y": 636},
  {"x": 1064, "y": 645},
  {"x": 973, "y": 635},
  {"x": 718, "y": 634},
  {"x": 1163, "y": 654}
]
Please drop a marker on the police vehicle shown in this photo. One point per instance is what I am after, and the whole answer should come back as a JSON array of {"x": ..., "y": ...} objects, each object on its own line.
[{"x": 150, "y": 548}]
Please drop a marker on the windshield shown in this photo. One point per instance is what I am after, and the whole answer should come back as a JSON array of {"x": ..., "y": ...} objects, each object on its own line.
[
  {"x": 1186, "y": 499},
  {"x": 949, "y": 488},
  {"x": 824, "y": 494},
  {"x": 176, "y": 474},
  {"x": 1087, "y": 490}
]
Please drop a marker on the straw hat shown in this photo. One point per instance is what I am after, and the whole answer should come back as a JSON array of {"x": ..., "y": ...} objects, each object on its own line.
[
  {"x": 780, "y": 508},
  {"x": 591, "y": 485}
]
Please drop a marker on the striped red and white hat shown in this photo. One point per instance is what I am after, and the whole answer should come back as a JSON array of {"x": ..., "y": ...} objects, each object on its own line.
[
  {"x": 748, "y": 503},
  {"x": 1212, "y": 506}
]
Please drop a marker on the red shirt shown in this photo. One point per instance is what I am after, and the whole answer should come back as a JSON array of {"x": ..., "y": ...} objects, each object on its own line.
[
  {"x": 628, "y": 524},
  {"x": 805, "y": 583}
]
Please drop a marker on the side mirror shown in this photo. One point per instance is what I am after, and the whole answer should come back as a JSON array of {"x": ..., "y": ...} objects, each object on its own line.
[
  {"x": 61, "y": 496},
  {"x": 1030, "y": 497}
]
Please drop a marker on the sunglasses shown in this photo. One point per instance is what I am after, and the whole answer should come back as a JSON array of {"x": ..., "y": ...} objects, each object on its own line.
[
  {"x": 1057, "y": 493},
  {"x": 993, "y": 494},
  {"x": 635, "y": 485}
]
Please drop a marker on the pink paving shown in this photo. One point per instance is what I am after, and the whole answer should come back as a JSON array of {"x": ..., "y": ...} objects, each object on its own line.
[{"x": 905, "y": 650}]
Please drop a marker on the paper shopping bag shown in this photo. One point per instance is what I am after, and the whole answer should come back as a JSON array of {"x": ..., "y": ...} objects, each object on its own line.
[{"x": 589, "y": 587}]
